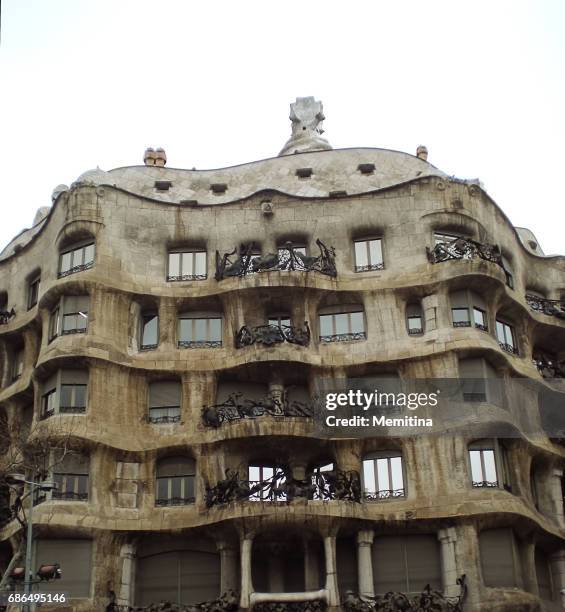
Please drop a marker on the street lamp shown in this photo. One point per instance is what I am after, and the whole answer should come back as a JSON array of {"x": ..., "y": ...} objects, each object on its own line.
[{"x": 19, "y": 479}]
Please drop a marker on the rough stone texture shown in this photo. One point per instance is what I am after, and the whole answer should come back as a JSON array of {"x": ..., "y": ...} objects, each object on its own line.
[{"x": 134, "y": 226}]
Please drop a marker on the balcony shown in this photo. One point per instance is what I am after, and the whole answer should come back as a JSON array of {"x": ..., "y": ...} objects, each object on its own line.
[
  {"x": 5, "y": 316},
  {"x": 383, "y": 494},
  {"x": 236, "y": 408},
  {"x": 269, "y": 335},
  {"x": 349, "y": 337},
  {"x": 551, "y": 308},
  {"x": 244, "y": 261},
  {"x": 463, "y": 248}
]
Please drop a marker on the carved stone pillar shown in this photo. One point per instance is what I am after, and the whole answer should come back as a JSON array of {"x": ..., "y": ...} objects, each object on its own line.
[
  {"x": 556, "y": 493},
  {"x": 127, "y": 581},
  {"x": 447, "y": 538},
  {"x": 557, "y": 565},
  {"x": 228, "y": 566},
  {"x": 246, "y": 546},
  {"x": 365, "y": 563},
  {"x": 331, "y": 571}
]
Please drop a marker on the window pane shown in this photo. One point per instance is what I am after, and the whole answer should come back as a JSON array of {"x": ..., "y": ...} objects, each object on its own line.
[
  {"x": 82, "y": 320},
  {"x": 89, "y": 254},
  {"x": 254, "y": 473},
  {"x": 69, "y": 322},
  {"x": 357, "y": 322},
  {"x": 375, "y": 252},
  {"x": 500, "y": 332},
  {"x": 215, "y": 330},
  {"x": 66, "y": 396},
  {"x": 200, "y": 263},
  {"x": 174, "y": 264},
  {"x": 382, "y": 474},
  {"x": 509, "y": 335},
  {"x": 188, "y": 487},
  {"x": 66, "y": 261},
  {"x": 361, "y": 258},
  {"x": 176, "y": 484},
  {"x": 162, "y": 488},
  {"x": 476, "y": 467},
  {"x": 490, "y": 466},
  {"x": 369, "y": 475},
  {"x": 396, "y": 469},
  {"x": 185, "y": 330},
  {"x": 187, "y": 264},
  {"x": 414, "y": 322},
  {"x": 80, "y": 396},
  {"x": 341, "y": 323},
  {"x": 460, "y": 315},
  {"x": 150, "y": 330},
  {"x": 78, "y": 257},
  {"x": 326, "y": 325},
  {"x": 200, "y": 330},
  {"x": 479, "y": 317}
]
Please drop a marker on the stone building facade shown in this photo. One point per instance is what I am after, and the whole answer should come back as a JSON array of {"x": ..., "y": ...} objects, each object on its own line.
[{"x": 164, "y": 331}]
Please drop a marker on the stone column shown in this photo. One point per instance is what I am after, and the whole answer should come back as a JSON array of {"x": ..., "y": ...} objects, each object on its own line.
[
  {"x": 127, "y": 582},
  {"x": 556, "y": 493},
  {"x": 447, "y": 538},
  {"x": 246, "y": 545},
  {"x": 557, "y": 565},
  {"x": 331, "y": 571},
  {"x": 365, "y": 563},
  {"x": 228, "y": 566}
]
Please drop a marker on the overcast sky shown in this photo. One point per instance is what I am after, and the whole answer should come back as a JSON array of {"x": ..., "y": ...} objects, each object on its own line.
[{"x": 94, "y": 82}]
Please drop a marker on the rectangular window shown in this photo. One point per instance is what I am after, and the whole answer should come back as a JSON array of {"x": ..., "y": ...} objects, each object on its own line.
[
  {"x": 18, "y": 365},
  {"x": 74, "y": 557},
  {"x": 342, "y": 327},
  {"x": 70, "y": 486},
  {"x": 165, "y": 402},
  {"x": 383, "y": 478},
  {"x": 265, "y": 482},
  {"x": 76, "y": 260},
  {"x": 54, "y": 324},
  {"x": 33, "y": 292},
  {"x": 149, "y": 331},
  {"x": 48, "y": 403},
  {"x": 415, "y": 325},
  {"x": 483, "y": 467},
  {"x": 200, "y": 332},
  {"x": 187, "y": 266},
  {"x": 286, "y": 262},
  {"x": 368, "y": 255},
  {"x": 75, "y": 314},
  {"x": 279, "y": 321},
  {"x": 505, "y": 337},
  {"x": 73, "y": 399},
  {"x": 480, "y": 319},
  {"x": 508, "y": 272},
  {"x": 461, "y": 317},
  {"x": 499, "y": 559}
]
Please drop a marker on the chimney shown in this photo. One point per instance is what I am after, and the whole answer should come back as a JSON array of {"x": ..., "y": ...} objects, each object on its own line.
[
  {"x": 149, "y": 157},
  {"x": 160, "y": 157},
  {"x": 422, "y": 152}
]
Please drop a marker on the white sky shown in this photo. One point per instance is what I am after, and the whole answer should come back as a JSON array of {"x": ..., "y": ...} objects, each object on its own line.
[{"x": 94, "y": 82}]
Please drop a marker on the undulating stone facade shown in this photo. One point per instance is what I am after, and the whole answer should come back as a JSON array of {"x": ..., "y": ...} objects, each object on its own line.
[{"x": 163, "y": 333}]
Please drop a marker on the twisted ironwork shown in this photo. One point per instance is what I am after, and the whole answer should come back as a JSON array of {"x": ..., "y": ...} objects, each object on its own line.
[
  {"x": 228, "y": 602},
  {"x": 235, "y": 408},
  {"x": 316, "y": 605},
  {"x": 429, "y": 599},
  {"x": 548, "y": 367},
  {"x": 485, "y": 484},
  {"x": 269, "y": 335},
  {"x": 508, "y": 348},
  {"x": 383, "y": 494},
  {"x": 349, "y": 337},
  {"x": 281, "y": 486},
  {"x": 244, "y": 261},
  {"x": 6, "y": 315},
  {"x": 75, "y": 269},
  {"x": 200, "y": 344},
  {"x": 464, "y": 248},
  {"x": 552, "y": 308}
]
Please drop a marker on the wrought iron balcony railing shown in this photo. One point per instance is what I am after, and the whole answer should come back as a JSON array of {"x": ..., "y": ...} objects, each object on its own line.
[
  {"x": 174, "y": 501},
  {"x": 552, "y": 308},
  {"x": 370, "y": 267},
  {"x": 5, "y": 316},
  {"x": 349, "y": 337},
  {"x": 464, "y": 248},
  {"x": 200, "y": 344},
  {"x": 383, "y": 494},
  {"x": 246, "y": 261},
  {"x": 69, "y": 495},
  {"x": 549, "y": 367},
  {"x": 186, "y": 277},
  {"x": 168, "y": 418},
  {"x": 76, "y": 269},
  {"x": 268, "y": 335},
  {"x": 72, "y": 409},
  {"x": 428, "y": 599},
  {"x": 76, "y": 330},
  {"x": 235, "y": 408},
  {"x": 508, "y": 348},
  {"x": 281, "y": 486},
  {"x": 485, "y": 484}
]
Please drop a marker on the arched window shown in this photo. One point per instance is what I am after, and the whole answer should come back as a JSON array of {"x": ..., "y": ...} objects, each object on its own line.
[
  {"x": 165, "y": 401},
  {"x": 383, "y": 475},
  {"x": 414, "y": 319},
  {"x": 175, "y": 484},
  {"x": 77, "y": 257},
  {"x": 342, "y": 323}
]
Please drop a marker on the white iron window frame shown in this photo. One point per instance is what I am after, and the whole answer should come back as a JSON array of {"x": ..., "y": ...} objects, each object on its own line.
[
  {"x": 186, "y": 480},
  {"x": 483, "y": 456},
  {"x": 80, "y": 257},
  {"x": 362, "y": 252},
  {"x": 189, "y": 265},
  {"x": 384, "y": 476},
  {"x": 350, "y": 334},
  {"x": 209, "y": 341},
  {"x": 506, "y": 336}
]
